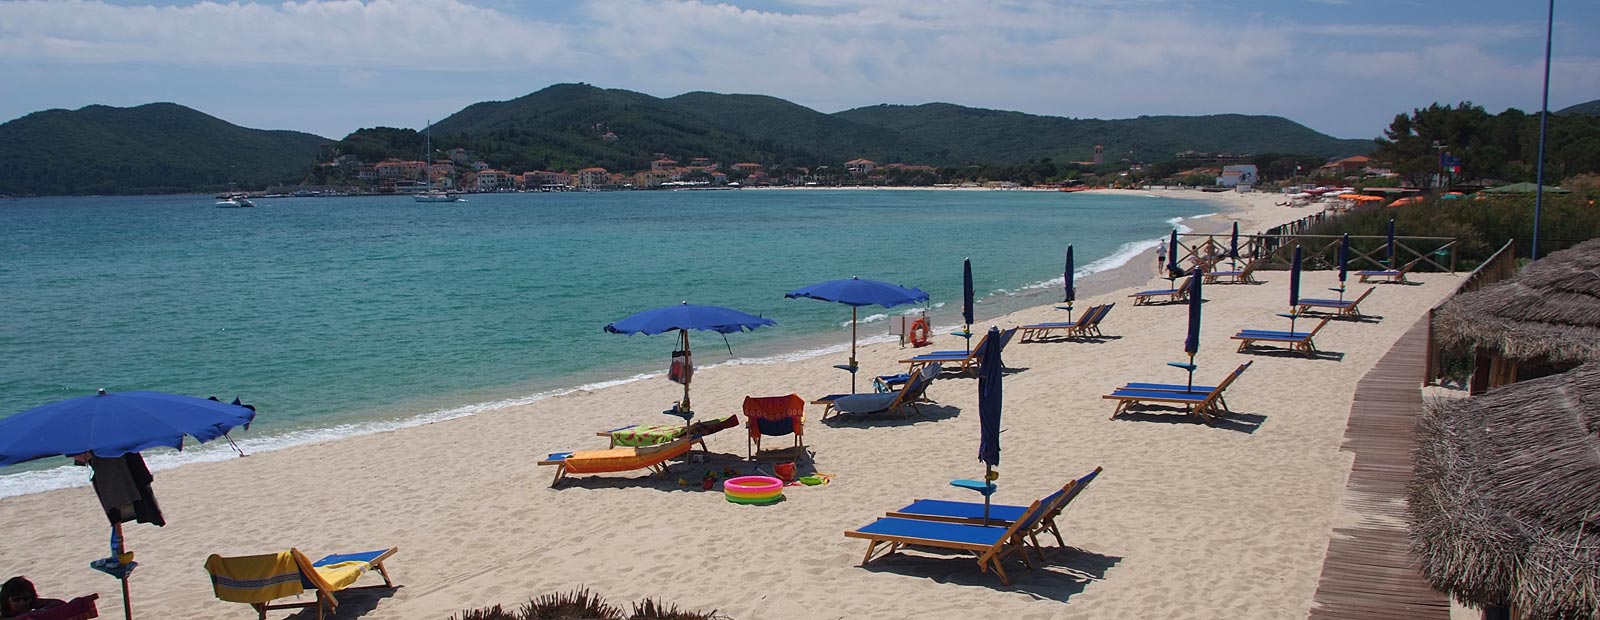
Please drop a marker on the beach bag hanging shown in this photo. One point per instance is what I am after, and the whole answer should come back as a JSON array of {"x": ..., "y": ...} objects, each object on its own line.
[{"x": 681, "y": 367}]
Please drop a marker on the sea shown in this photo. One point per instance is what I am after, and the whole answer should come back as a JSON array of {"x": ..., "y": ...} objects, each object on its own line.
[{"x": 355, "y": 315}]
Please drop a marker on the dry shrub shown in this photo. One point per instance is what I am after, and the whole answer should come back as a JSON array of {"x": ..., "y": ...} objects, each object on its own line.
[{"x": 581, "y": 604}]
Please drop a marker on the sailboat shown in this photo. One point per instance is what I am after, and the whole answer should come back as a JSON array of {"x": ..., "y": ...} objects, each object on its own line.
[{"x": 431, "y": 194}]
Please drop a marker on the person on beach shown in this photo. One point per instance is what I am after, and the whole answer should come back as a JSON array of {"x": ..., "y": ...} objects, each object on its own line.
[
  {"x": 18, "y": 597},
  {"x": 1161, "y": 259}
]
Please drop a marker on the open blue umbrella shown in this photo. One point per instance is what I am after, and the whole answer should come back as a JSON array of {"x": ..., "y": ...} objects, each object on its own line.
[
  {"x": 1390, "y": 244},
  {"x": 684, "y": 317},
  {"x": 990, "y": 377},
  {"x": 1294, "y": 287},
  {"x": 967, "y": 301},
  {"x": 111, "y": 426},
  {"x": 1344, "y": 262},
  {"x": 856, "y": 292},
  {"x": 1173, "y": 271},
  {"x": 1069, "y": 292}
]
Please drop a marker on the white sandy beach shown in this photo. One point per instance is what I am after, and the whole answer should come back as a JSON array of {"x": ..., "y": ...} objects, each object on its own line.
[{"x": 1187, "y": 520}]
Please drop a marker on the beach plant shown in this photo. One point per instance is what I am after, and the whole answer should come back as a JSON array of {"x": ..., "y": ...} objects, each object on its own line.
[{"x": 581, "y": 604}]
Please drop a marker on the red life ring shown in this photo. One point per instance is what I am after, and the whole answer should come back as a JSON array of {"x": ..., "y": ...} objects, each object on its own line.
[{"x": 918, "y": 334}]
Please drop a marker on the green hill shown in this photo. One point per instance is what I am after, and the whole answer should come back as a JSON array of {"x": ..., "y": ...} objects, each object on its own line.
[
  {"x": 1592, "y": 108},
  {"x": 154, "y": 148},
  {"x": 835, "y": 138},
  {"x": 995, "y": 136}
]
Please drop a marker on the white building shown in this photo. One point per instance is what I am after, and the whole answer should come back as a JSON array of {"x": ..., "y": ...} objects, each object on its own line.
[{"x": 1244, "y": 174}]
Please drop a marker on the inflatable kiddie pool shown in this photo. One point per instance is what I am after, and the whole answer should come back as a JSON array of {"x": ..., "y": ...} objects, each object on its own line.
[{"x": 758, "y": 490}]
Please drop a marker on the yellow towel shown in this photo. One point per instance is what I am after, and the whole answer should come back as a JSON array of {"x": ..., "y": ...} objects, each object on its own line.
[
  {"x": 255, "y": 578},
  {"x": 340, "y": 576}
]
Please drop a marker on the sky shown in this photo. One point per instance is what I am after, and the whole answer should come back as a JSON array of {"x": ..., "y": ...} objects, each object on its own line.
[{"x": 329, "y": 67}]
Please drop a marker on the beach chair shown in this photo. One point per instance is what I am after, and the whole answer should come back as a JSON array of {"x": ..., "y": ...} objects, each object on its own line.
[
  {"x": 1173, "y": 295},
  {"x": 261, "y": 579},
  {"x": 774, "y": 416},
  {"x": 1092, "y": 329},
  {"x": 1393, "y": 275},
  {"x": 652, "y": 434},
  {"x": 613, "y": 460},
  {"x": 1001, "y": 514},
  {"x": 892, "y": 402},
  {"x": 1206, "y": 402},
  {"x": 1347, "y": 307},
  {"x": 967, "y": 360},
  {"x": 81, "y": 608},
  {"x": 1083, "y": 326},
  {"x": 991, "y": 543},
  {"x": 1301, "y": 341},
  {"x": 1242, "y": 276}
]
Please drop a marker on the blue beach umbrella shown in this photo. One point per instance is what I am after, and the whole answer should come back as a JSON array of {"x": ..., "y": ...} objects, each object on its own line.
[
  {"x": 1172, "y": 257},
  {"x": 856, "y": 292},
  {"x": 1294, "y": 286},
  {"x": 1191, "y": 342},
  {"x": 967, "y": 299},
  {"x": 1344, "y": 262},
  {"x": 1233, "y": 247},
  {"x": 1390, "y": 244},
  {"x": 114, "y": 425},
  {"x": 990, "y": 377},
  {"x": 1069, "y": 292},
  {"x": 684, "y": 317}
]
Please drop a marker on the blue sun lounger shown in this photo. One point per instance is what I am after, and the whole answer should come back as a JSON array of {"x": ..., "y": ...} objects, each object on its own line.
[
  {"x": 1175, "y": 294},
  {"x": 1086, "y": 325},
  {"x": 1192, "y": 389},
  {"x": 1345, "y": 307},
  {"x": 1000, "y": 514},
  {"x": 991, "y": 543},
  {"x": 1298, "y": 341},
  {"x": 967, "y": 360}
]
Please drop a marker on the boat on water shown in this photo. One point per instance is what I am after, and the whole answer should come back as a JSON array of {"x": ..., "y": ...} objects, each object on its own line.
[
  {"x": 430, "y": 194},
  {"x": 434, "y": 195},
  {"x": 235, "y": 201}
]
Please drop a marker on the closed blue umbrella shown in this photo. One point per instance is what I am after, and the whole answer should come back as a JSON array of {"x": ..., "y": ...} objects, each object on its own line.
[
  {"x": 1191, "y": 342},
  {"x": 1344, "y": 262},
  {"x": 1294, "y": 286},
  {"x": 990, "y": 377},
  {"x": 855, "y": 293},
  {"x": 1390, "y": 245},
  {"x": 1069, "y": 292},
  {"x": 1172, "y": 256},
  {"x": 684, "y": 317},
  {"x": 967, "y": 301},
  {"x": 1233, "y": 247}
]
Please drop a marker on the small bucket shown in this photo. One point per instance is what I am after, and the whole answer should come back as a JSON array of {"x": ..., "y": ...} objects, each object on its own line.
[{"x": 785, "y": 472}]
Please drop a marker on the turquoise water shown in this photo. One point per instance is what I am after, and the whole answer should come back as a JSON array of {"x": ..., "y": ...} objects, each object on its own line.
[{"x": 337, "y": 316}]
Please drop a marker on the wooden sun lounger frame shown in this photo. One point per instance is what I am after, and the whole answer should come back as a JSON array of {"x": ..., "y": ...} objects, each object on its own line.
[
  {"x": 657, "y": 467},
  {"x": 1173, "y": 295},
  {"x": 1046, "y": 522},
  {"x": 1087, "y": 324},
  {"x": 1350, "y": 307},
  {"x": 967, "y": 362},
  {"x": 1242, "y": 276},
  {"x": 1393, "y": 275},
  {"x": 1304, "y": 343},
  {"x": 989, "y": 556},
  {"x": 906, "y": 397},
  {"x": 1208, "y": 409},
  {"x": 1222, "y": 401},
  {"x": 326, "y": 596}
]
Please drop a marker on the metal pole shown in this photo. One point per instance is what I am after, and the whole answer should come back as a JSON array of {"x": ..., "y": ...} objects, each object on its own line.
[
  {"x": 988, "y": 472},
  {"x": 853, "y": 365},
  {"x": 1544, "y": 120},
  {"x": 688, "y": 369}
]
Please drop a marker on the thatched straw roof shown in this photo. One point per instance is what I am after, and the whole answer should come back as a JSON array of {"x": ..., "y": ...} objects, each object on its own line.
[
  {"x": 1551, "y": 311},
  {"x": 1505, "y": 503}
]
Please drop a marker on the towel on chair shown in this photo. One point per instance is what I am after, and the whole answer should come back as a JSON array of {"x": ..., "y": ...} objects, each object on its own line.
[{"x": 255, "y": 578}]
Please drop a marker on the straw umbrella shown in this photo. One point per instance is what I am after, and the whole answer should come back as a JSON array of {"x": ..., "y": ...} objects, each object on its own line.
[
  {"x": 1547, "y": 319},
  {"x": 1505, "y": 506}
]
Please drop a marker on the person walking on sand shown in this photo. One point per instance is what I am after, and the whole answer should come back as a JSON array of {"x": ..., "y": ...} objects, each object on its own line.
[{"x": 1161, "y": 259}]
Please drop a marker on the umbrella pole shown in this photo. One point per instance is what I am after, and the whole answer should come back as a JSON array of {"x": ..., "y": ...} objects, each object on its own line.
[
  {"x": 1191, "y": 368},
  {"x": 988, "y": 478},
  {"x": 127, "y": 606},
  {"x": 853, "y": 366}
]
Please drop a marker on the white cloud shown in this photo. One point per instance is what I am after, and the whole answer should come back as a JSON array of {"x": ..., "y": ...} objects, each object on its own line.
[{"x": 1087, "y": 58}]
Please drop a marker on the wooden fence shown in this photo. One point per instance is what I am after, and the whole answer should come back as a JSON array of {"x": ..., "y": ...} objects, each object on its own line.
[
  {"x": 1502, "y": 265},
  {"x": 1322, "y": 251}
]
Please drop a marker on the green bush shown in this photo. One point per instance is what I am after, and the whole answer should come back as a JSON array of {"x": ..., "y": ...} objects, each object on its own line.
[{"x": 1480, "y": 226}]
